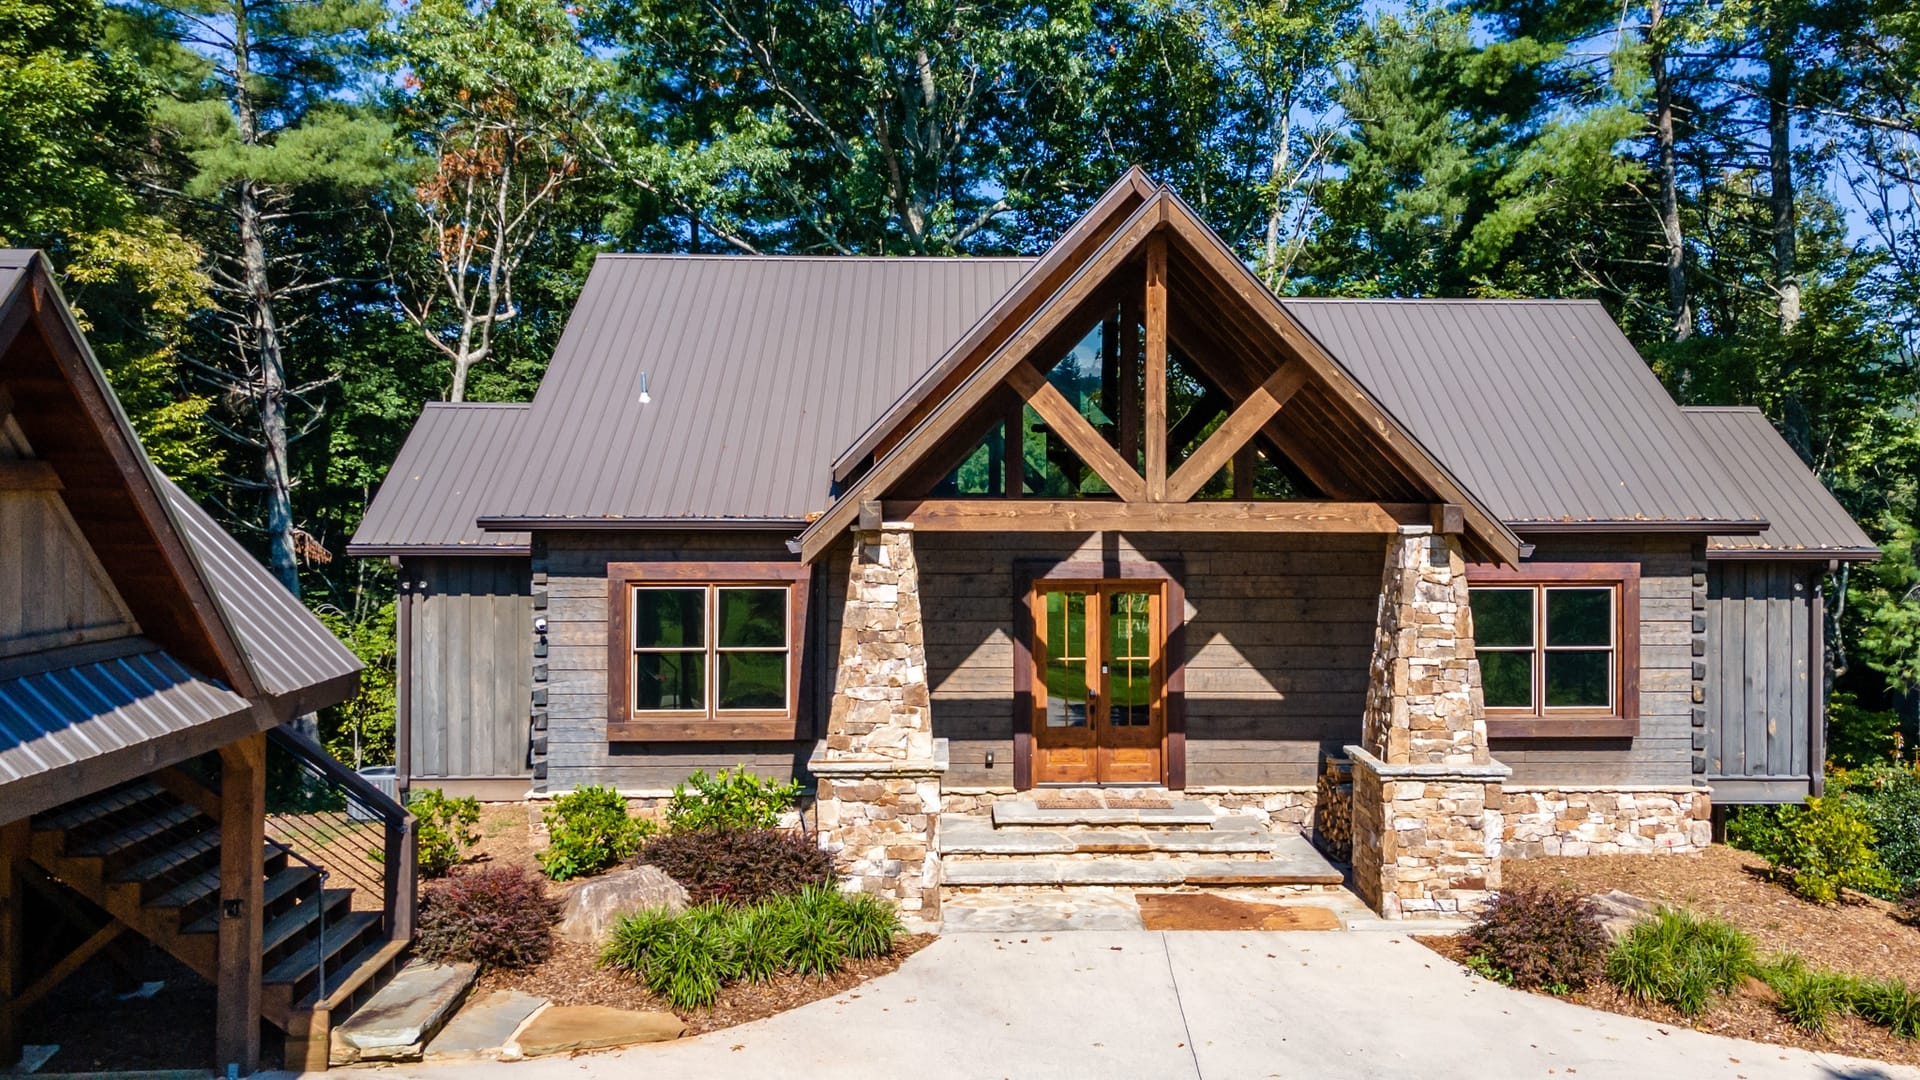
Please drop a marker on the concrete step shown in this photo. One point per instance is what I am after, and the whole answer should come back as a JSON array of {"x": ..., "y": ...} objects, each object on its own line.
[
  {"x": 397, "y": 1023},
  {"x": 976, "y": 836},
  {"x": 1293, "y": 861},
  {"x": 1022, "y": 813}
]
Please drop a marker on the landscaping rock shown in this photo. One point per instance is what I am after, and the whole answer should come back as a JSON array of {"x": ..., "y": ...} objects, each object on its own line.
[
  {"x": 397, "y": 1023},
  {"x": 1621, "y": 911},
  {"x": 483, "y": 1027},
  {"x": 588, "y": 909},
  {"x": 563, "y": 1028}
]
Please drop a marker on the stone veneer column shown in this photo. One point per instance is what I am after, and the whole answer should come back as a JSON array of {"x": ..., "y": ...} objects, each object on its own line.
[
  {"x": 1426, "y": 791},
  {"x": 879, "y": 767}
]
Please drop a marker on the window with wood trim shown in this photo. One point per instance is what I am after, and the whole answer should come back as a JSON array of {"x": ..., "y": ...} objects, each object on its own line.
[
  {"x": 705, "y": 650},
  {"x": 1558, "y": 646}
]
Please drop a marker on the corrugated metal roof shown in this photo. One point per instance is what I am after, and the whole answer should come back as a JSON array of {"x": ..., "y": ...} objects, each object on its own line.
[
  {"x": 290, "y": 651},
  {"x": 1541, "y": 407},
  {"x": 434, "y": 490},
  {"x": 760, "y": 371},
  {"x": 1805, "y": 517}
]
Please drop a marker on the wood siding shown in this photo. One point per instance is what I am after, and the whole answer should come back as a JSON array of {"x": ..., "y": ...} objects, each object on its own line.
[
  {"x": 1662, "y": 753},
  {"x": 1760, "y": 651},
  {"x": 472, "y": 665},
  {"x": 54, "y": 593}
]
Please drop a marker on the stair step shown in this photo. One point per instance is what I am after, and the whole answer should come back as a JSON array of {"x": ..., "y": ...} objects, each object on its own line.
[
  {"x": 86, "y": 811},
  {"x": 355, "y": 972},
  {"x": 1277, "y": 871},
  {"x": 973, "y": 836},
  {"x": 400, "y": 1019},
  {"x": 305, "y": 916},
  {"x": 302, "y": 962},
  {"x": 138, "y": 832},
  {"x": 278, "y": 887},
  {"x": 1023, "y": 813},
  {"x": 174, "y": 858}
]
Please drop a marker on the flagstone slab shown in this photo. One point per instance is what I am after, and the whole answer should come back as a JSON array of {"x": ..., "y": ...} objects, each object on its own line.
[
  {"x": 562, "y": 1029},
  {"x": 483, "y": 1026}
]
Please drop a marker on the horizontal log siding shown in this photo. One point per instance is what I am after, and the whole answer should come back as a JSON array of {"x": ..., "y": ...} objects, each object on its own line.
[
  {"x": 1662, "y": 752},
  {"x": 577, "y": 749},
  {"x": 1279, "y": 630},
  {"x": 472, "y": 624}
]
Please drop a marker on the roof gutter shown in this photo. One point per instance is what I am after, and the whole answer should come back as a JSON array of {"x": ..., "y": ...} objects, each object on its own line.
[
  {"x": 1746, "y": 527},
  {"x": 369, "y": 550},
  {"x": 1798, "y": 555}
]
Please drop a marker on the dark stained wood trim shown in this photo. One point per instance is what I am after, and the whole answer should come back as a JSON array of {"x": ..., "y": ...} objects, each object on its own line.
[
  {"x": 1023, "y": 629},
  {"x": 1079, "y": 435},
  {"x": 28, "y": 476},
  {"x": 15, "y": 844},
  {"x": 1014, "y": 452},
  {"x": 243, "y": 807},
  {"x": 1156, "y": 395},
  {"x": 1127, "y": 430},
  {"x": 1624, "y": 720},
  {"x": 1175, "y": 652},
  {"x": 1817, "y": 683},
  {"x": 1097, "y": 515},
  {"x": 624, "y": 725},
  {"x": 1233, "y": 433}
]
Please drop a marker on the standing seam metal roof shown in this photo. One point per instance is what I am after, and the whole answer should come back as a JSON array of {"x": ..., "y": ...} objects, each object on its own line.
[
  {"x": 436, "y": 485},
  {"x": 1804, "y": 516}
]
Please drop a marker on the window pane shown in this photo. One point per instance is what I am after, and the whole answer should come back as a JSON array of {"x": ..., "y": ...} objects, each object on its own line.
[
  {"x": 1506, "y": 679},
  {"x": 670, "y": 681},
  {"x": 669, "y": 618},
  {"x": 1066, "y": 675},
  {"x": 752, "y": 617},
  {"x": 1130, "y": 684},
  {"x": 1579, "y": 616},
  {"x": 1582, "y": 677},
  {"x": 751, "y": 680},
  {"x": 1502, "y": 616}
]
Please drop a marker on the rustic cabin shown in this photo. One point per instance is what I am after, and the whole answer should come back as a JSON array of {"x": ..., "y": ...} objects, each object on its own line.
[
  {"x": 150, "y": 799},
  {"x": 1116, "y": 535}
]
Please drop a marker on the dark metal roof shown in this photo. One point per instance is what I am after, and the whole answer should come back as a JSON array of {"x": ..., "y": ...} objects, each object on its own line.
[
  {"x": 1541, "y": 407},
  {"x": 760, "y": 371},
  {"x": 1805, "y": 519},
  {"x": 433, "y": 493}
]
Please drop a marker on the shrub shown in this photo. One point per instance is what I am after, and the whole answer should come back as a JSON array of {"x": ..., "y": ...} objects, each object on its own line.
[
  {"x": 740, "y": 866},
  {"x": 446, "y": 829},
  {"x": 1810, "y": 998},
  {"x": 1890, "y": 1003},
  {"x": 1888, "y": 800},
  {"x": 497, "y": 917},
  {"x": 1821, "y": 848},
  {"x": 1681, "y": 960},
  {"x": 733, "y": 799},
  {"x": 1539, "y": 937},
  {"x": 588, "y": 830}
]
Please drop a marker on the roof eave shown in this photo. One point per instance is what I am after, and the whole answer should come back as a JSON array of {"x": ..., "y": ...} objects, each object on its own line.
[
  {"x": 375, "y": 550},
  {"x": 1741, "y": 527},
  {"x": 550, "y": 524},
  {"x": 1848, "y": 555}
]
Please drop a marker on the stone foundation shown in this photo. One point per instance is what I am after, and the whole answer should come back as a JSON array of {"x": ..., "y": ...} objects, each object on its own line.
[
  {"x": 1605, "y": 821},
  {"x": 1274, "y": 806},
  {"x": 882, "y": 822},
  {"x": 1426, "y": 838}
]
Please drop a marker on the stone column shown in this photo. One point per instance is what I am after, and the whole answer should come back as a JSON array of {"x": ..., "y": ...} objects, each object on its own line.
[
  {"x": 1426, "y": 791},
  {"x": 879, "y": 767}
]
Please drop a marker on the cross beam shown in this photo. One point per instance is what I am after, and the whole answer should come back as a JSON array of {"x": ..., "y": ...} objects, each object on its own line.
[
  {"x": 1103, "y": 515},
  {"x": 1233, "y": 433}
]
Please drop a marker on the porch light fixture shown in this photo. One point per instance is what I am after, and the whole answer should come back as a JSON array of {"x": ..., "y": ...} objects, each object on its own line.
[{"x": 645, "y": 398}]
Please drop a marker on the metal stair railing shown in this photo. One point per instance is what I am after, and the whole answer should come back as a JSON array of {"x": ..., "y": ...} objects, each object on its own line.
[{"x": 334, "y": 819}]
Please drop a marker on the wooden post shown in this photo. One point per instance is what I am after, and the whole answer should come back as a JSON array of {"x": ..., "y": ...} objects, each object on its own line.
[
  {"x": 1245, "y": 461},
  {"x": 403, "y": 684},
  {"x": 1156, "y": 368},
  {"x": 243, "y": 809},
  {"x": 1016, "y": 450},
  {"x": 1128, "y": 442},
  {"x": 14, "y": 838}
]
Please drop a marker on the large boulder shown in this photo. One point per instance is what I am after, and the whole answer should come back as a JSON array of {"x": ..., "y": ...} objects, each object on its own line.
[{"x": 588, "y": 909}]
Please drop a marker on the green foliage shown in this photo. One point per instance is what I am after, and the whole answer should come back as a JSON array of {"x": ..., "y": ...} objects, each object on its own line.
[
  {"x": 589, "y": 830},
  {"x": 731, "y": 799},
  {"x": 690, "y": 957},
  {"x": 1681, "y": 960},
  {"x": 447, "y": 828},
  {"x": 496, "y": 916},
  {"x": 1887, "y": 799},
  {"x": 740, "y": 866},
  {"x": 1858, "y": 737},
  {"x": 1538, "y": 937},
  {"x": 1823, "y": 847},
  {"x": 1811, "y": 998},
  {"x": 360, "y": 730}
]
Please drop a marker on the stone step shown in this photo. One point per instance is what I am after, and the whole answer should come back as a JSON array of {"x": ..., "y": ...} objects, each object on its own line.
[
  {"x": 1022, "y": 813},
  {"x": 975, "y": 836},
  {"x": 1292, "y": 863},
  {"x": 397, "y": 1023}
]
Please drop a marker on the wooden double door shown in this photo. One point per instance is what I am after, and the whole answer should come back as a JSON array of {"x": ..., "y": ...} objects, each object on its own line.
[{"x": 1099, "y": 686}]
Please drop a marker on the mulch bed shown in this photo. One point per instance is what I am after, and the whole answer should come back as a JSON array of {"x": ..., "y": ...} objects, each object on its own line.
[
  {"x": 1206, "y": 911},
  {"x": 1861, "y": 937}
]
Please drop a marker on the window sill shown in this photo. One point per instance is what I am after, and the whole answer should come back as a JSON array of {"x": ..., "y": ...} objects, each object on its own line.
[
  {"x": 1562, "y": 727},
  {"x": 703, "y": 729}
]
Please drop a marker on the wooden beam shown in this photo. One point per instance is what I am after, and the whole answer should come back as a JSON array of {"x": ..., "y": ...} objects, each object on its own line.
[
  {"x": 1449, "y": 519},
  {"x": 1076, "y": 432},
  {"x": 68, "y": 964},
  {"x": 1245, "y": 461},
  {"x": 28, "y": 476},
  {"x": 1127, "y": 420},
  {"x": 243, "y": 808},
  {"x": 1015, "y": 451},
  {"x": 1241, "y": 425},
  {"x": 1156, "y": 367},
  {"x": 15, "y": 840},
  {"x": 1100, "y": 515}
]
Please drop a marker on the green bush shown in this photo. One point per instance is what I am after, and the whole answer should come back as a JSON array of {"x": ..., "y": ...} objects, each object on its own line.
[
  {"x": 1681, "y": 960},
  {"x": 690, "y": 957},
  {"x": 1538, "y": 937},
  {"x": 732, "y": 799},
  {"x": 1888, "y": 800},
  {"x": 1822, "y": 847},
  {"x": 588, "y": 830},
  {"x": 446, "y": 830},
  {"x": 1811, "y": 998},
  {"x": 1858, "y": 737}
]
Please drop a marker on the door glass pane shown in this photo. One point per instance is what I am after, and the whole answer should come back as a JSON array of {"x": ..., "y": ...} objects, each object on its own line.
[
  {"x": 1129, "y": 652},
  {"x": 1506, "y": 679},
  {"x": 752, "y": 618},
  {"x": 670, "y": 681},
  {"x": 751, "y": 680},
  {"x": 1065, "y": 642},
  {"x": 1579, "y": 617},
  {"x": 669, "y": 618},
  {"x": 1579, "y": 677},
  {"x": 1502, "y": 617}
]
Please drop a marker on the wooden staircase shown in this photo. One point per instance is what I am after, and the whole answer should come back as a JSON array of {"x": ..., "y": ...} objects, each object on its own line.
[{"x": 148, "y": 853}]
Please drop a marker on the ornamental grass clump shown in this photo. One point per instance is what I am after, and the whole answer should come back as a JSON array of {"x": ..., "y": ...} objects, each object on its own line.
[
  {"x": 1538, "y": 938},
  {"x": 497, "y": 917},
  {"x": 1811, "y": 998},
  {"x": 1681, "y": 960}
]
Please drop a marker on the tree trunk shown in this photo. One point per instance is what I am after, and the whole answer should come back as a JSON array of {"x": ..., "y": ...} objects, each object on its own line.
[
  {"x": 1780, "y": 168},
  {"x": 1680, "y": 309}
]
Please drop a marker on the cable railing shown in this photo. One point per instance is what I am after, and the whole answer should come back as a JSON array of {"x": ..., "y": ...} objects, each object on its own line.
[{"x": 333, "y": 819}]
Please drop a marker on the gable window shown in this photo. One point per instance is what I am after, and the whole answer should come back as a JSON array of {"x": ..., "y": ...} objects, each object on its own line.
[
  {"x": 1557, "y": 646},
  {"x": 704, "y": 650}
]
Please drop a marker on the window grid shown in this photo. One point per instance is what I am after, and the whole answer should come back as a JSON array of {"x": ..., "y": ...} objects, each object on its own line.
[
  {"x": 1539, "y": 647},
  {"x": 710, "y": 648}
]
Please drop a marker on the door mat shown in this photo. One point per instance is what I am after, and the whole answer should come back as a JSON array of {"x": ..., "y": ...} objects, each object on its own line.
[
  {"x": 1202, "y": 911},
  {"x": 1081, "y": 799}
]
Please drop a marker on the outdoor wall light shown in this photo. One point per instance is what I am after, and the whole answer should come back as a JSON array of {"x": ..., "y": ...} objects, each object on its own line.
[{"x": 540, "y": 625}]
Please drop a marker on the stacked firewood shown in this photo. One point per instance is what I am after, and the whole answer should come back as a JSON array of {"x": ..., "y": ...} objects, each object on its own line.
[{"x": 1333, "y": 808}]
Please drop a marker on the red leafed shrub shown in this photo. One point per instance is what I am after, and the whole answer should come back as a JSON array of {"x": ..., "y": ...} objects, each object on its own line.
[
  {"x": 740, "y": 866},
  {"x": 1539, "y": 937},
  {"x": 497, "y": 917}
]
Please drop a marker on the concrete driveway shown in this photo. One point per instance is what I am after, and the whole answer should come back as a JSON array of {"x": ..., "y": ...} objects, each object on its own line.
[{"x": 1174, "y": 1005}]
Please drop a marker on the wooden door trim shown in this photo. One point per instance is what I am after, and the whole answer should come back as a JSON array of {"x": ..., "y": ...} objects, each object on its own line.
[{"x": 1172, "y": 573}]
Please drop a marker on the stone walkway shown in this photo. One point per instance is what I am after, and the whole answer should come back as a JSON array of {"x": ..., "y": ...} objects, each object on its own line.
[{"x": 1209, "y": 1006}]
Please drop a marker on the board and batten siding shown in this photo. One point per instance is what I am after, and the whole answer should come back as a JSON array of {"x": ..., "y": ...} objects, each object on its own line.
[
  {"x": 1662, "y": 754},
  {"x": 471, "y": 667},
  {"x": 55, "y": 593},
  {"x": 1763, "y": 649},
  {"x": 578, "y": 752}
]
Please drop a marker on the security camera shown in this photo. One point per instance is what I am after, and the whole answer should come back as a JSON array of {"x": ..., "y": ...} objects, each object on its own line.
[{"x": 540, "y": 625}]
